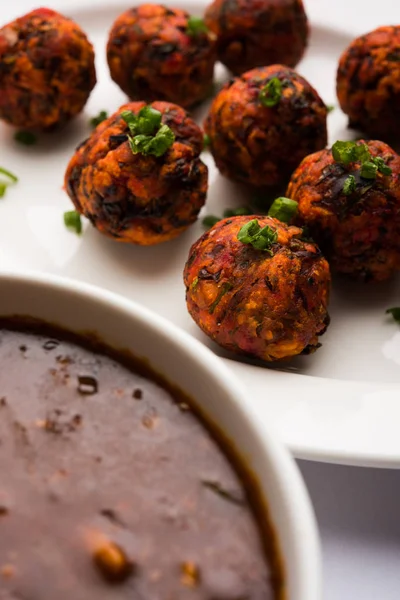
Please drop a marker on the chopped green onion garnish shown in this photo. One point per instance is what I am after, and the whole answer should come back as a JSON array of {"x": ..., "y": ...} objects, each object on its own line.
[
  {"x": 196, "y": 26},
  {"x": 368, "y": 170},
  {"x": 271, "y": 93},
  {"x": 4, "y": 184},
  {"x": 283, "y": 209},
  {"x": 25, "y": 137},
  {"x": 382, "y": 166},
  {"x": 349, "y": 185},
  {"x": 102, "y": 116},
  {"x": 8, "y": 174},
  {"x": 72, "y": 220},
  {"x": 260, "y": 238},
  {"x": 206, "y": 140},
  {"x": 210, "y": 220},
  {"x": 330, "y": 108},
  {"x": 395, "y": 312},
  {"x": 148, "y": 134}
]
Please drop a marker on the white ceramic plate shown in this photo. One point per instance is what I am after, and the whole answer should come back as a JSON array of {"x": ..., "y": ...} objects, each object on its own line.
[{"x": 341, "y": 404}]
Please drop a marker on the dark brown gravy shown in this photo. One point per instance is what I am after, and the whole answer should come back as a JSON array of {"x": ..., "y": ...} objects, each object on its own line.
[{"x": 111, "y": 487}]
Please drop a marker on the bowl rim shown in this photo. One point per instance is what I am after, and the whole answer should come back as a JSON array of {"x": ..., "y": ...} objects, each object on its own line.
[{"x": 287, "y": 477}]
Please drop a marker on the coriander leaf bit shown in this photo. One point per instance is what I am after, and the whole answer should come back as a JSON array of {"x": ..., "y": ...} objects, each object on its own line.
[
  {"x": 345, "y": 153},
  {"x": 348, "y": 152},
  {"x": 271, "y": 93},
  {"x": 147, "y": 134},
  {"x": 260, "y": 238}
]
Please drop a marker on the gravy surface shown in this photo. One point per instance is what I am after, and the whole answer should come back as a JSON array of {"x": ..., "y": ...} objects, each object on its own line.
[{"x": 112, "y": 488}]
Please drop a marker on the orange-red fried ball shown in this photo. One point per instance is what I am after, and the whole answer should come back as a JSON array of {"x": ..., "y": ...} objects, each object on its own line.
[
  {"x": 255, "y": 33},
  {"x": 46, "y": 70},
  {"x": 261, "y": 145},
  {"x": 137, "y": 198},
  {"x": 252, "y": 303},
  {"x": 153, "y": 56},
  {"x": 368, "y": 82},
  {"x": 359, "y": 232}
]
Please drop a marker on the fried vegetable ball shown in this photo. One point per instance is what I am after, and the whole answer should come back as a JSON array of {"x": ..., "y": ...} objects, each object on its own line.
[
  {"x": 139, "y": 198},
  {"x": 266, "y": 304},
  {"x": 158, "y": 53},
  {"x": 46, "y": 70},
  {"x": 368, "y": 83},
  {"x": 355, "y": 220},
  {"x": 263, "y": 123},
  {"x": 255, "y": 33}
]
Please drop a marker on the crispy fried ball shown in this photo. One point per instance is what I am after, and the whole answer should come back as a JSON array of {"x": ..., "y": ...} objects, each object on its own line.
[
  {"x": 136, "y": 198},
  {"x": 252, "y": 303},
  {"x": 262, "y": 145},
  {"x": 152, "y": 56},
  {"x": 255, "y": 33},
  {"x": 368, "y": 82},
  {"x": 46, "y": 70},
  {"x": 359, "y": 233}
]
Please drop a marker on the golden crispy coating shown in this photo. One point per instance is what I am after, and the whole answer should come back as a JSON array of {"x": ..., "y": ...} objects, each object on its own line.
[
  {"x": 368, "y": 82},
  {"x": 255, "y": 33},
  {"x": 269, "y": 307},
  {"x": 46, "y": 70},
  {"x": 151, "y": 57},
  {"x": 262, "y": 145},
  {"x": 135, "y": 198},
  {"x": 358, "y": 233}
]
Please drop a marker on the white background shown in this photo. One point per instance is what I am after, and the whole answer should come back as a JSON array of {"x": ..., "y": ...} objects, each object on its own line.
[{"x": 358, "y": 510}]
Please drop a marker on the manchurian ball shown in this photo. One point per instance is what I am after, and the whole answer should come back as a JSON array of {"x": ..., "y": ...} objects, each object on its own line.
[
  {"x": 262, "y": 124},
  {"x": 270, "y": 305},
  {"x": 46, "y": 70},
  {"x": 256, "y": 33},
  {"x": 352, "y": 210},
  {"x": 159, "y": 53},
  {"x": 368, "y": 83},
  {"x": 137, "y": 196}
]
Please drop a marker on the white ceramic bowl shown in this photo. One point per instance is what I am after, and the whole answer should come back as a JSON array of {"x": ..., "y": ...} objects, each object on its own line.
[{"x": 204, "y": 377}]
